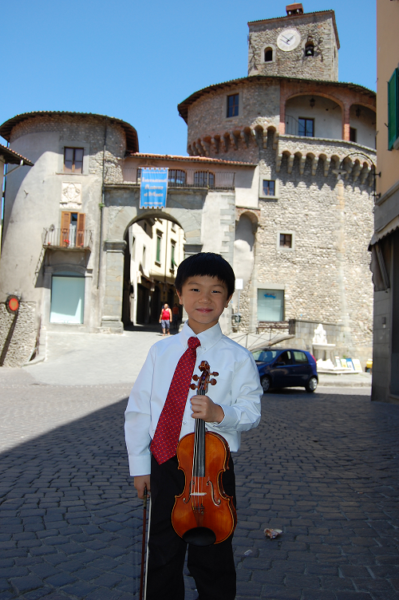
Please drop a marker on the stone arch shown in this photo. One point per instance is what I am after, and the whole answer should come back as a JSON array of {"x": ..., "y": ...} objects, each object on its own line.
[
  {"x": 362, "y": 124},
  {"x": 321, "y": 108},
  {"x": 154, "y": 214},
  {"x": 117, "y": 220},
  {"x": 244, "y": 247}
]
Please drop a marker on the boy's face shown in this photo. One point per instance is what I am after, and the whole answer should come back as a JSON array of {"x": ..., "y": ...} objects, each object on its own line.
[{"x": 204, "y": 299}]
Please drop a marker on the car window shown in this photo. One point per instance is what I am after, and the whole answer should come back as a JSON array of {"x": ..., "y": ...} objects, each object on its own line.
[
  {"x": 264, "y": 355},
  {"x": 284, "y": 358},
  {"x": 300, "y": 357}
]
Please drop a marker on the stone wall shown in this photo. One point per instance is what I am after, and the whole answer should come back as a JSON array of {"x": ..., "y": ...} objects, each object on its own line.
[
  {"x": 16, "y": 346},
  {"x": 207, "y": 116},
  {"x": 317, "y": 26}
]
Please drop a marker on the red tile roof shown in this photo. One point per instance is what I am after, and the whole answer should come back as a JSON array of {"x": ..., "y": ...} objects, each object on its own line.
[
  {"x": 13, "y": 158},
  {"x": 198, "y": 159}
]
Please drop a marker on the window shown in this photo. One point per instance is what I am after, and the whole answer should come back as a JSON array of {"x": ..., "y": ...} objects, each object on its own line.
[
  {"x": 204, "y": 179},
  {"x": 176, "y": 177},
  {"x": 309, "y": 49},
  {"x": 67, "y": 299},
  {"x": 72, "y": 233},
  {"x": 269, "y": 187},
  {"x": 232, "y": 105},
  {"x": 133, "y": 248},
  {"x": 352, "y": 134},
  {"x": 285, "y": 240},
  {"x": 159, "y": 242},
  {"x": 172, "y": 255},
  {"x": 138, "y": 179},
  {"x": 269, "y": 55},
  {"x": 306, "y": 127},
  {"x": 144, "y": 257},
  {"x": 284, "y": 359},
  {"x": 299, "y": 357},
  {"x": 270, "y": 305},
  {"x": 73, "y": 160},
  {"x": 393, "y": 98}
]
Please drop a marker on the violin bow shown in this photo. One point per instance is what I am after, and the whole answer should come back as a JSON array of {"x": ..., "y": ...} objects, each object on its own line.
[
  {"x": 148, "y": 551},
  {"x": 143, "y": 579}
]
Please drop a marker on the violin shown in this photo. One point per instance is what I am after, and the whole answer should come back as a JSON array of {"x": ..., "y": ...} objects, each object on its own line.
[{"x": 203, "y": 514}]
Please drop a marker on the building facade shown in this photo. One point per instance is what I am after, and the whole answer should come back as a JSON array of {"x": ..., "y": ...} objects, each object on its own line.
[
  {"x": 385, "y": 241},
  {"x": 279, "y": 179}
]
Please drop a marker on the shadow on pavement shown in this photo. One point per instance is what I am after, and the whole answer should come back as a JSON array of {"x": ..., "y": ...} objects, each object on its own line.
[{"x": 321, "y": 468}]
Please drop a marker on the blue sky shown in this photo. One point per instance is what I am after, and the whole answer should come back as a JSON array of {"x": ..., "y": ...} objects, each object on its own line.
[{"x": 137, "y": 60}]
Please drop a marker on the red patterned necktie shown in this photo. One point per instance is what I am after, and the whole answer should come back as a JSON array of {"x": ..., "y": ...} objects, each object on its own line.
[{"x": 166, "y": 438}]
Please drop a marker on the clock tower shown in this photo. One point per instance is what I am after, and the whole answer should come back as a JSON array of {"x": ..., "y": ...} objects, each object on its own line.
[{"x": 303, "y": 45}]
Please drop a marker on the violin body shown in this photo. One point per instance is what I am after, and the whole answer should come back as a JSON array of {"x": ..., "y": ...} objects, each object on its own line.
[{"x": 203, "y": 514}]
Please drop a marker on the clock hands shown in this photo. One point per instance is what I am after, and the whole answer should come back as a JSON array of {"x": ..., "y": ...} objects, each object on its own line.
[{"x": 287, "y": 40}]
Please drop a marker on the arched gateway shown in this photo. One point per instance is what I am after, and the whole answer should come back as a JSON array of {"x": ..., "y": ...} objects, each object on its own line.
[{"x": 206, "y": 215}]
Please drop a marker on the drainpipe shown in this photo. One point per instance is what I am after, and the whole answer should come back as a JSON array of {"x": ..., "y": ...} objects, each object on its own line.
[
  {"x": 101, "y": 205},
  {"x": 3, "y": 191}
]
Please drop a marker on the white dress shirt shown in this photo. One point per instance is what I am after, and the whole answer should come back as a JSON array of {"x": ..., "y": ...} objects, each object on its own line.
[{"x": 237, "y": 391}]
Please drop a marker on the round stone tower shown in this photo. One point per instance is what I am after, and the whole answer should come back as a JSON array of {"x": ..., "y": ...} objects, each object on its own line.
[{"x": 52, "y": 221}]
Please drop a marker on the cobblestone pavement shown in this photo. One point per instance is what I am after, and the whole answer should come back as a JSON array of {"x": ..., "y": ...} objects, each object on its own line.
[{"x": 322, "y": 467}]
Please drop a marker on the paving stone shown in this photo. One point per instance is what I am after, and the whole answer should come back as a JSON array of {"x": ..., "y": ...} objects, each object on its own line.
[
  {"x": 39, "y": 594},
  {"x": 284, "y": 478},
  {"x": 25, "y": 584}
]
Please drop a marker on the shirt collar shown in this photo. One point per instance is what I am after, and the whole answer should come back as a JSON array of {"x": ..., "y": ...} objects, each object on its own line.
[{"x": 207, "y": 338}]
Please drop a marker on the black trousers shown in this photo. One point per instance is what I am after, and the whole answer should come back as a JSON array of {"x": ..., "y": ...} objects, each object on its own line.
[{"x": 212, "y": 567}]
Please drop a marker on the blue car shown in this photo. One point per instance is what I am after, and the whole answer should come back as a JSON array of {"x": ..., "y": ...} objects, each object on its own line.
[{"x": 282, "y": 367}]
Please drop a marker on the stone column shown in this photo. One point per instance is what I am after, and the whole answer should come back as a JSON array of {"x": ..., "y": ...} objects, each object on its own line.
[{"x": 113, "y": 292}]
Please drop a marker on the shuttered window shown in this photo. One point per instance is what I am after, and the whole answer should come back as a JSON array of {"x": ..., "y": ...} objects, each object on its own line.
[
  {"x": 72, "y": 230},
  {"x": 73, "y": 160},
  {"x": 393, "y": 121}
]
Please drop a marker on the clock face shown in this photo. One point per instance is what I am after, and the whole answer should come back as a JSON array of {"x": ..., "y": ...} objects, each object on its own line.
[{"x": 288, "y": 39}]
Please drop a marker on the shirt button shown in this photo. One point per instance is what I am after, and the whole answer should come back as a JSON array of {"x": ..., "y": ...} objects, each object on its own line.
[{"x": 184, "y": 422}]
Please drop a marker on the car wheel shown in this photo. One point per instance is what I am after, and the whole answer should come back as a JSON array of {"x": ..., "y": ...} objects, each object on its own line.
[
  {"x": 265, "y": 383},
  {"x": 311, "y": 385}
]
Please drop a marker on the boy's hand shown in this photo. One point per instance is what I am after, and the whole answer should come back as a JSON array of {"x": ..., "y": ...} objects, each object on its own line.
[
  {"x": 140, "y": 483},
  {"x": 205, "y": 409}
]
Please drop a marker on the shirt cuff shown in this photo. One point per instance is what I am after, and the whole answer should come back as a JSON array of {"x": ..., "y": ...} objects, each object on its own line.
[
  {"x": 139, "y": 465},
  {"x": 230, "y": 418}
]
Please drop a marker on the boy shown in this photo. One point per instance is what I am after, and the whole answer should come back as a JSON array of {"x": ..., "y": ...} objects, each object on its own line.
[{"x": 205, "y": 285}]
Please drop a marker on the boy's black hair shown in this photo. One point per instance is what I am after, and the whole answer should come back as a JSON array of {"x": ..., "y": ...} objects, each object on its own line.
[{"x": 208, "y": 264}]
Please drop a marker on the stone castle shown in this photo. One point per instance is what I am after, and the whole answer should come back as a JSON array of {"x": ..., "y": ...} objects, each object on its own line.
[{"x": 279, "y": 179}]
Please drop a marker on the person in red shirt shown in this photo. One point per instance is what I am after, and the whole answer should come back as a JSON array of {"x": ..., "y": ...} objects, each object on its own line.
[{"x": 165, "y": 318}]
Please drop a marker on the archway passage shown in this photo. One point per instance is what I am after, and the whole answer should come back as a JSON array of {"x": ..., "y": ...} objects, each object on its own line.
[{"x": 154, "y": 249}]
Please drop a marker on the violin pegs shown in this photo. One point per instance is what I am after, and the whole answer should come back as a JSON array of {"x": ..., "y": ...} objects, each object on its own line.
[
  {"x": 192, "y": 386},
  {"x": 215, "y": 374},
  {"x": 195, "y": 377},
  {"x": 213, "y": 382}
]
